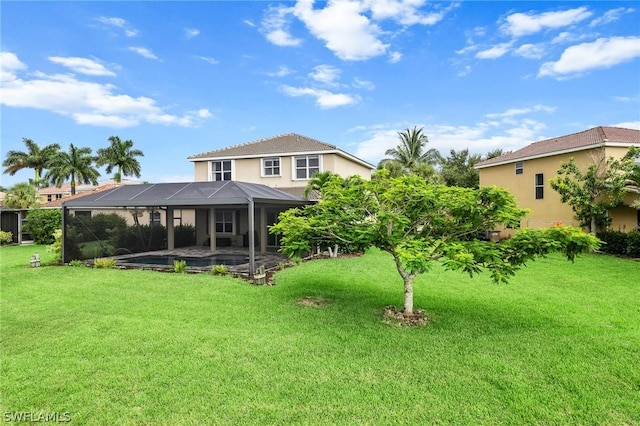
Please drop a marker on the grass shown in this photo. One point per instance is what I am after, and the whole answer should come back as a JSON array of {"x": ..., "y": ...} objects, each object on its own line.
[{"x": 560, "y": 344}]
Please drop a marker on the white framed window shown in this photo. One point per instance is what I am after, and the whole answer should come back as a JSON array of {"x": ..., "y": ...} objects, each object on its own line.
[
  {"x": 519, "y": 167},
  {"x": 271, "y": 166},
  {"x": 225, "y": 221},
  {"x": 539, "y": 186},
  {"x": 154, "y": 218},
  {"x": 305, "y": 166},
  {"x": 221, "y": 170}
]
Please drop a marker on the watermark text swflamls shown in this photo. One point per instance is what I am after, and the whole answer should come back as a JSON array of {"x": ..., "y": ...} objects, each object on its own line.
[{"x": 36, "y": 417}]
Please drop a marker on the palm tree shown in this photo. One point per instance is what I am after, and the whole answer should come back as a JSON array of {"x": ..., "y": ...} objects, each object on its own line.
[
  {"x": 76, "y": 165},
  {"x": 22, "y": 196},
  {"x": 121, "y": 156},
  {"x": 409, "y": 155},
  {"x": 35, "y": 158},
  {"x": 318, "y": 180}
]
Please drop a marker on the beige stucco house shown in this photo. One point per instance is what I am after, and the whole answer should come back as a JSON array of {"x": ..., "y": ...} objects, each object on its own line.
[
  {"x": 286, "y": 162},
  {"x": 527, "y": 171}
]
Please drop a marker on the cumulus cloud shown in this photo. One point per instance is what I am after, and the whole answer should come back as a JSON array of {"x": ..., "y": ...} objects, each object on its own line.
[
  {"x": 143, "y": 51},
  {"x": 324, "y": 98},
  {"x": 350, "y": 29},
  {"x": 325, "y": 74},
  {"x": 602, "y": 53},
  {"x": 86, "y": 102},
  {"x": 521, "y": 24},
  {"x": 495, "y": 52},
  {"x": 530, "y": 51},
  {"x": 83, "y": 65}
]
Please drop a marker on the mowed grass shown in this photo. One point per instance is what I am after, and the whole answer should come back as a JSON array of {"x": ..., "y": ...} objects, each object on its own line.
[{"x": 560, "y": 344}]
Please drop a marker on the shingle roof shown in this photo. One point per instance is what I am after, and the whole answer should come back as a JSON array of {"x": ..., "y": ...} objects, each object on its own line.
[
  {"x": 587, "y": 139},
  {"x": 281, "y": 144}
]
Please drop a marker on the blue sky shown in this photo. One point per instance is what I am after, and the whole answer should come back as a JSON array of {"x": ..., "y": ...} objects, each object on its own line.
[{"x": 181, "y": 78}]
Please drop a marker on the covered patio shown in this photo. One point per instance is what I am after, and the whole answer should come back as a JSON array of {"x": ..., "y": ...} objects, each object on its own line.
[{"x": 248, "y": 211}]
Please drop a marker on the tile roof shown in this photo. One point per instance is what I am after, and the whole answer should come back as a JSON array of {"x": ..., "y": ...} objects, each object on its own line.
[
  {"x": 58, "y": 202},
  {"x": 592, "y": 138},
  {"x": 280, "y": 144}
]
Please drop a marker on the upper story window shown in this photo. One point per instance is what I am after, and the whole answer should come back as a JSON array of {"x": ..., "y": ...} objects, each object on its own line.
[
  {"x": 306, "y": 166},
  {"x": 539, "y": 185},
  {"x": 519, "y": 167},
  {"x": 271, "y": 166},
  {"x": 221, "y": 170}
]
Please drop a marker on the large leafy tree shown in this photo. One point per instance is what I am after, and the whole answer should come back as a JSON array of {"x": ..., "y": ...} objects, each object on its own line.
[
  {"x": 422, "y": 225},
  {"x": 591, "y": 192},
  {"x": 411, "y": 156},
  {"x": 76, "y": 165},
  {"x": 22, "y": 196},
  {"x": 458, "y": 169},
  {"x": 35, "y": 158},
  {"x": 121, "y": 156}
]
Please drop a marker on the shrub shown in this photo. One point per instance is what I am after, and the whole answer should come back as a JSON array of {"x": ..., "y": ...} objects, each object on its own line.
[
  {"x": 179, "y": 266},
  {"x": 76, "y": 263},
  {"x": 615, "y": 242},
  {"x": 220, "y": 270},
  {"x": 184, "y": 235},
  {"x": 633, "y": 244},
  {"x": 104, "y": 263},
  {"x": 6, "y": 238},
  {"x": 42, "y": 223},
  {"x": 56, "y": 246}
]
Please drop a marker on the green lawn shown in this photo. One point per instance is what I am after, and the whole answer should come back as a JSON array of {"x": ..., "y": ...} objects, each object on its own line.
[{"x": 560, "y": 344}]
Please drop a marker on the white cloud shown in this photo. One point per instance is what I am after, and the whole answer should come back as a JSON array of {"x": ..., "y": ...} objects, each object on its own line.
[
  {"x": 208, "y": 59},
  {"x": 82, "y": 65},
  {"x": 325, "y": 74},
  {"x": 249, "y": 23},
  {"x": 602, "y": 53},
  {"x": 405, "y": 12},
  {"x": 394, "y": 57},
  {"x": 628, "y": 124},
  {"x": 495, "y": 52},
  {"x": 118, "y": 23},
  {"x": 85, "y": 102},
  {"x": 348, "y": 33},
  {"x": 282, "y": 71},
  {"x": 191, "y": 32},
  {"x": 276, "y": 27},
  {"x": 520, "y": 24},
  {"x": 363, "y": 84},
  {"x": 143, "y": 51},
  {"x": 610, "y": 16},
  {"x": 512, "y": 112},
  {"x": 530, "y": 51},
  {"x": 324, "y": 98}
]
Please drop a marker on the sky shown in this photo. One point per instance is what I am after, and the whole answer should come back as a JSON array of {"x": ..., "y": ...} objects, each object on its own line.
[{"x": 183, "y": 78}]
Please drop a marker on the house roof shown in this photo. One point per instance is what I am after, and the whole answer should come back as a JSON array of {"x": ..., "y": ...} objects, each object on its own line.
[
  {"x": 65, "y": 188},
  {"x": 183, "y": 195},
  {"x": 59, "y": 201},
  {"x": 289, "y": 143},
  {"x": 587, "y": 139}
]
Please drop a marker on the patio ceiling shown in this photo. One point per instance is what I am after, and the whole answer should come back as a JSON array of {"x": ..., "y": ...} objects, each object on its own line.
[{"x": 185, "y": 194}]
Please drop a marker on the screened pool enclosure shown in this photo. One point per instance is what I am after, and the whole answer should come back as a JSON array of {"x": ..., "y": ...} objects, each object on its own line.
[{"x": 150, "y": 217}]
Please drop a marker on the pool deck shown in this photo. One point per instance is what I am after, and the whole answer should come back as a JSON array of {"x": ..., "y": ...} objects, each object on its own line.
[{"x": 270, "y": 260}]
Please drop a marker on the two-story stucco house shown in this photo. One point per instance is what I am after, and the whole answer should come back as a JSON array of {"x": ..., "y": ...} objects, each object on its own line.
[
  {"x": 286, "y": 162},
  {"x": 527, "y": 171}
]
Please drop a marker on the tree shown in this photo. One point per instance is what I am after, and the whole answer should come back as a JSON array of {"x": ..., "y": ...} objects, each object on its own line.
[
  {"x": 498, "y": 152},
  {"x": 592, "y": 192},
  {"x": 409, "y": 156},
  {"x": 41, "y": 224},
  {"x": 317, "y": 182},
  {"x": 22, "y": 196},
  {"x": 75, "y": 165},
  {"x": 458, "y": 169},
  {"x": 421, "y": 225},
  {"x": 35, "y": 158},
  {"x": 121, "y": 156}
]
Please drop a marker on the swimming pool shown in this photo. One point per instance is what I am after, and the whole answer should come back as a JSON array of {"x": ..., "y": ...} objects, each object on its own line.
[{"x": 218, "y": 259}]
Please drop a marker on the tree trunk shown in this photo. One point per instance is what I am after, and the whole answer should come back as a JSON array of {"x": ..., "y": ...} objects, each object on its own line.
[
  {"x": 407, "y": 278},
  {"x": 593, "y": 225}
]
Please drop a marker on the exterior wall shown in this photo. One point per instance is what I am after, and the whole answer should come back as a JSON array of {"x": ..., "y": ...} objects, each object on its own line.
[
  {"x": 549, "y": 209},
  {"x": 624, "y": 218},
  {"x": 250, "y": 170}
]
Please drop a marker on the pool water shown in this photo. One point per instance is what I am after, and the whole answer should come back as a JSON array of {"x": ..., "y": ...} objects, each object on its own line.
[{"x": 228, "y": 260}]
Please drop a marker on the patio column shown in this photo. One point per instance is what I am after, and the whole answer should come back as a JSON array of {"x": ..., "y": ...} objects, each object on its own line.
[
  {"x": 263, "y": 230},
  {"x": 170, "y": 232},
  {"x": 252, "y": 248},
  {"x": 212, "y": 229}
]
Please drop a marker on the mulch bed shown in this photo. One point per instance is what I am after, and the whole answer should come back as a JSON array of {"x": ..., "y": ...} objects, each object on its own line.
[{"x": 395, "y": 316}]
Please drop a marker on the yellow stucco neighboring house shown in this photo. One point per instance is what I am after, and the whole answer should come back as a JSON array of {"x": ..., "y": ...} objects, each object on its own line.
[{"x": 527, "y": 171}]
